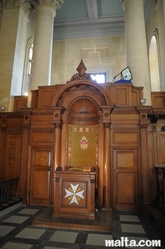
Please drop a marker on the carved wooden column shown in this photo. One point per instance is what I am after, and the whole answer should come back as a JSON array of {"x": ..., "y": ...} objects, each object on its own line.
[
  {"x": 57, "y": 112},
  {"x": 23, "y": 187},
  {"x": 107, "y": 167},
  {"x": 144, "y": 174},
  {"x": 3, "y": 130}
]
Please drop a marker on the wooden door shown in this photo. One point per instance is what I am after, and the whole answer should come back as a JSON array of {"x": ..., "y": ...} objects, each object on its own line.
[
  {"x": 40, "y": 177},
  {"x": 125, "y": 178}
]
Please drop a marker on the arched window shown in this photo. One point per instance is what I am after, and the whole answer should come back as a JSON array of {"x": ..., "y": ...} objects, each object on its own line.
[
  {"x": 30, "y": 60},
  {"x": 27, "y": 68},
  {"x": 154, "y": 65}
]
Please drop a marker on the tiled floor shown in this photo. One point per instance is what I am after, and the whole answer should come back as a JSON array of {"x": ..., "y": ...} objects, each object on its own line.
[{"x": 16, "y": 232}]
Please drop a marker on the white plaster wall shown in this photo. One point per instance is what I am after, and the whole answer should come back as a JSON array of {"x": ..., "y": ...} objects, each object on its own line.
[
  {"x": 99, "y": 54},
  {"x": 156, "y": 22}
]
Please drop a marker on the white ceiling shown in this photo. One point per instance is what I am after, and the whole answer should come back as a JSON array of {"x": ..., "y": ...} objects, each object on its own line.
[{"x": 91, "y": 18}]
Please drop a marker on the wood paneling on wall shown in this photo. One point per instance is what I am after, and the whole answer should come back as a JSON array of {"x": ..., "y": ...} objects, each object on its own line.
[{"x": 34, "y": 141}]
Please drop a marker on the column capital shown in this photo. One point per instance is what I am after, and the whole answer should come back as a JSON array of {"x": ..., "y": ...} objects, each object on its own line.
[
  {"x": 124, "y": 1},
  {"x": 56, "y": 4},
  {"x": 26, "y": 5},
  {"x": 29, "y": 5}
]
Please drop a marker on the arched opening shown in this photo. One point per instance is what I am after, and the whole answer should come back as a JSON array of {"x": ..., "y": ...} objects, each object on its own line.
[{"x": 154, "y": 65}]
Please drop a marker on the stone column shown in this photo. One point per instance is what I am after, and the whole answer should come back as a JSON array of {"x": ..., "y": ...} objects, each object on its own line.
[
  {"x": 13, "y": 40},
  {"x": 164, "y": 9},
  {"x": 43, "y": 42},
  {"x": 136, "y": 46}
]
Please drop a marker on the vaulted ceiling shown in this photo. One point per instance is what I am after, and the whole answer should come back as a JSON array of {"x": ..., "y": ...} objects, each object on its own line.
[{"x": 91, "y": 18}]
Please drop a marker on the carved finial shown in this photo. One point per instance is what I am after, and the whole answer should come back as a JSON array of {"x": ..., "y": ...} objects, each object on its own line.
[
  {"x": 81, "y": 68},
  {"x": 81, "y": 75}
]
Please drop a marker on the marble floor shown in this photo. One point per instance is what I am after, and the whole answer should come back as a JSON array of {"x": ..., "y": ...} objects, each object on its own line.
[{"x": 16, "y": 232}]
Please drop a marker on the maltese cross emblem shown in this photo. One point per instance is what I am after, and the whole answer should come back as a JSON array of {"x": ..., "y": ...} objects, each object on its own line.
[{"x": 74, "y": 193}]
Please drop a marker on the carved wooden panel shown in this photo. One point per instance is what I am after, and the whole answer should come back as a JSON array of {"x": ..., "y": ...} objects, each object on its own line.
[
  {"x": 40, "y": 177},
  {"x": 75, "y": 194},
  {"x": 46, "y": 95},
  {"x": 158, "y": 99},
  {"x": 12, "y": 156},
  {"x": 125, "y": 179},
  {"x": 34, "y": 100},
  {"x": 160, "y": 148},
  {"x": 126, "y": 189},
  {"x": 48, "y": 98},
  {"x": 19, "y": 102},
  {"x": 121, "y": 95},
  {"x": 80, "y": 199},
  {"x": 125, "y": 159},
  {"x": 135, "y": 98},
  {"x": 41, "y": 137},
  {"x": 125, "y": 137}
]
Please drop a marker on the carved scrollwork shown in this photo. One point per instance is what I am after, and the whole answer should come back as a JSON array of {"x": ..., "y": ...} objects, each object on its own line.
[{"x": 78, "y": 77}]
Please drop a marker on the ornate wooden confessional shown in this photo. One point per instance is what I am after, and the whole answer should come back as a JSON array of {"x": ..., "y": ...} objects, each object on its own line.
[{"x": 97, "y": 131}]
